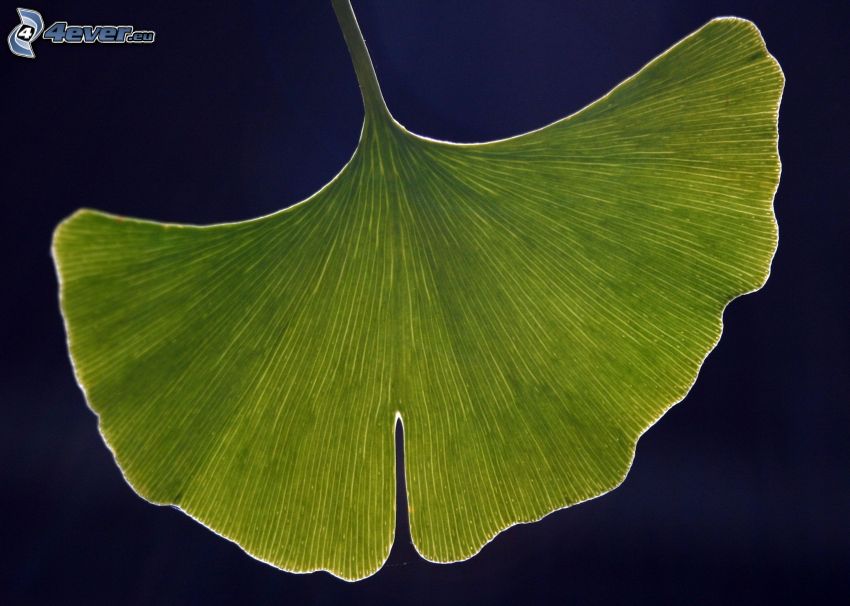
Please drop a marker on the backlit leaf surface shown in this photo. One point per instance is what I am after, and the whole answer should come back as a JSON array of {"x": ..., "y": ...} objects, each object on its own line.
[{"x": 527, "y": 307}]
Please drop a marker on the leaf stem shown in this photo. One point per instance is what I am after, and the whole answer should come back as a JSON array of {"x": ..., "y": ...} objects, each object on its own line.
[{"x": 373, "y": 100}]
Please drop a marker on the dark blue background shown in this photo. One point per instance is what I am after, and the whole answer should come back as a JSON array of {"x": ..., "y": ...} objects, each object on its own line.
[{"x": 739, "y": 494}]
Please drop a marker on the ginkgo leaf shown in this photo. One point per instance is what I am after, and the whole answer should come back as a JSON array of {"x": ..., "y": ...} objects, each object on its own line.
[{"x": 528, "y": 307}]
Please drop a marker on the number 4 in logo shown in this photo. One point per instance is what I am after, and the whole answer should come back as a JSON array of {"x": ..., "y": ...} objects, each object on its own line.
[{"x": 25, "y": 32}]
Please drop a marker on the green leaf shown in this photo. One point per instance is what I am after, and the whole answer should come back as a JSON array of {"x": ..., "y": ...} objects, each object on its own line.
[{"x": 527, "y": 307}]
